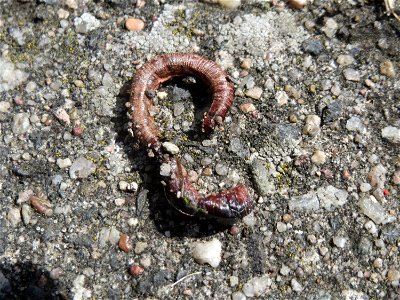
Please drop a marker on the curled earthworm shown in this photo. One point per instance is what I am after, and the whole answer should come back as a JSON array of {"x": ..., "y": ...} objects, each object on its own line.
[{"x": 230, "y": 204}]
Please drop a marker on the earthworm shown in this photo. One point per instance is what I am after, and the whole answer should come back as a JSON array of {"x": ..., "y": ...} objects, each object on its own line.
[
  {"x": 165, "y": 67},
  {"x": 230, "y": 204}
]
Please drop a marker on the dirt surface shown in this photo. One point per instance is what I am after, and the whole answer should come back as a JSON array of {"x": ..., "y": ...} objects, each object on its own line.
[{"x": 314, "y": 132}]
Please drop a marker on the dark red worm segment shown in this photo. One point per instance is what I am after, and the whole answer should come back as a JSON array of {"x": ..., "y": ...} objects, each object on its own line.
[{"x": 233, "y": 203}]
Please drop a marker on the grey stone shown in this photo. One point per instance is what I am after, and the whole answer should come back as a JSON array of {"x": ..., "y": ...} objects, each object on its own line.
[
  {"x": 331, "y": 112},
  {"x": 392, "y": 134},
  {"x": 351, "y": 74},
  {"x": 256, "y": 286},
  {"x": 179, "y": 108},
  {"x": 81, "y": 168},
  {"x": 312, "y": 46},
  {"x": 85, "y": 23},
  {"x": 262, "y": 177},
  {"x": 21, "y": 123},
  {"x": 370, "y": 207},
  {"x": 355, "y": 124},
  {"x": 307, "y": 201},
  {"x": 331, "y": 196}
]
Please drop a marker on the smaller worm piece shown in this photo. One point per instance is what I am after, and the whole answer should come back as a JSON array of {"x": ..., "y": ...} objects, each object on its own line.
[{"x": 230, "y": 204}]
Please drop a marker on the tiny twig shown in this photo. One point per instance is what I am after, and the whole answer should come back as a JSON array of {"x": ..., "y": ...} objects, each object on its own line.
[{"x": 184, "y": 277}]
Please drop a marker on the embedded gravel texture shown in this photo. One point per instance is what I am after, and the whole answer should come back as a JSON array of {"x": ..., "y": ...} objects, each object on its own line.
[{"x": 314, "y": 133}]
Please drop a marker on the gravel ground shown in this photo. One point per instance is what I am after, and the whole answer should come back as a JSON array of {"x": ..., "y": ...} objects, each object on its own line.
[{"x": 314, "y": 133}]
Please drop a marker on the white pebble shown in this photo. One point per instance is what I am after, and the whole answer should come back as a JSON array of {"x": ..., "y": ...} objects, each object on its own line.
[
  {"x": 119, "y": 201},
  {"x": 371, "y": 227},
  {"x": 365, "y": 187},
  {"x": 170, "y": 147},
  {"x": 296, "y": 286},
  {"x": 230, "y": 3},
  {"x": 64, "y": 163},
  {"x": 281, "y": 227},
  {"x": 208, "y": 252},
  {"x": 318, "y": 158},
  {"x": 256, "y": 286},
  {"x": 339, "y": 241},
  {"x": 311, "y": 127},
  {"x": 392, "y": 134}
]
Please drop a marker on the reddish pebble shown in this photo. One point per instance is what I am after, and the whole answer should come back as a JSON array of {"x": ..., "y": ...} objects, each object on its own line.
[
  {"x": 297, "y": 4},
  {"x": 207, "y": 171},
  {"x": 77, "y": 131},
  {"x": 386, "y": 192},
  {"x": 18, "y": 100},
  {"x": 247, "y": 107},
  {"x": 136, "y": 270},
  {"x": 327, "y": 173},
  {"x": 234, "y": 230},
  {"x": 133, "y": 24},
  {"x": 125, "y": 243},
  {"x": 346, "y": 174}
]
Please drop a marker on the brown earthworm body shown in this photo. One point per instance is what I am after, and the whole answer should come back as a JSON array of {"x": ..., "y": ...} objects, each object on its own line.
[{"x": 230, "y": 204}]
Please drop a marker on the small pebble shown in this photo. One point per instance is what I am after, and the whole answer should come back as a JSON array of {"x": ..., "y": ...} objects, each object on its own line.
[
  {"x": 140, "y": 247},
  {"x": 281, "y": 98},
  {"x": 339, "y": 241},
  {"x": 254, "y": 93},
  {"x": 345, "y": 60},
  {"x": 287, "y": 218},
  {"x": 256, "y": 286},
  {"x": 21, "y": 123},
  {"x": 208, "y": 252},
  {"x": 82, "y": 168},
  {"x": 285, "y": 270},
  {"x": 281, "y": 227},
  {"x": 14, "y": 216},
  {"x": 221, "y": 169},
  {"x": 234, "y": 230},
  {"x": 238, "y": 296},
  {"x": 62, "y": 115},
  {"x": 355, "y": 124},
  {"x": 396, "y": 177},
  {"x": 365, "y": 187},
  {"x": 371, "y": 227},
  {"x": 293, "y": 118},
  {"x": 86, "y": 23},
  {"x": 393, "y": 275},
  {"x": 119, "y": 201},
  {"x": 233, "y": 281},
  {"x": 392, "y": 134},
  {"x": 318, "y": 158},
  {"x": 296, "y": 286},
  {"x": 247, "y": 107},
  {"x": 231, "y": 4},
  {"x": 378, "y": 263},
  {"x": 133, "y": 24},
  {"x": 136, "y": 270},
  {"x": 4, "y": 106},
  {"x": 312, "y": 126},
  {"x": 64, "y": 163},
  {"x": 207, "y": 171},
  {"x": 387, "y": 69},
  {"x": 170, "y": 148},
  {"x": 246, "y": 64},
  {"x": 351, "y": 74},
  {"x": 125, "y": 243},
  {"x": 77, "y": 131},
  {"x": 297, "y": 4}
]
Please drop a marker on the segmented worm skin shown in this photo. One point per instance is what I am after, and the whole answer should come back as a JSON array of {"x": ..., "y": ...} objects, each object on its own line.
[{"x": 233, "y": 203}]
